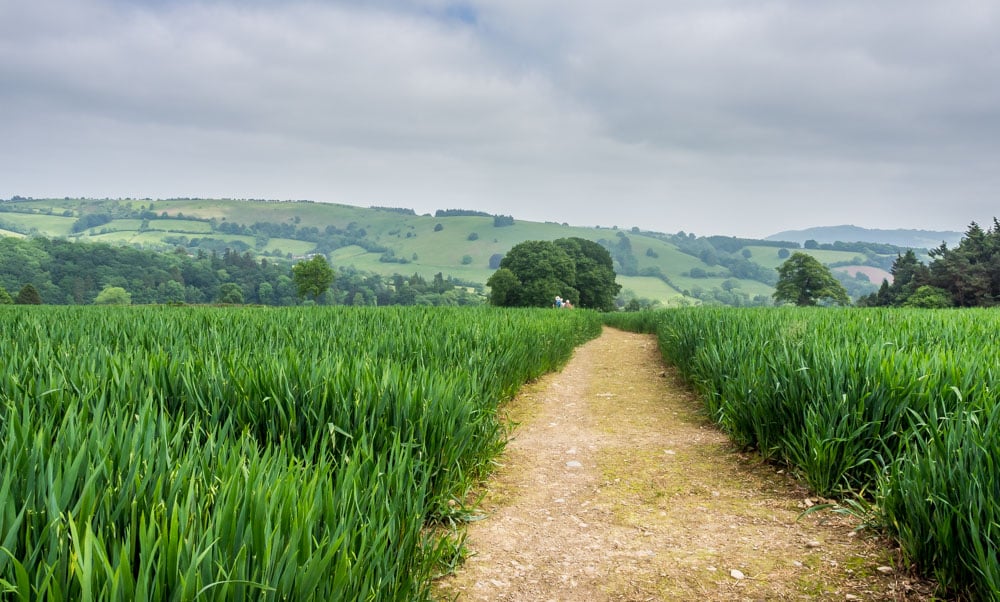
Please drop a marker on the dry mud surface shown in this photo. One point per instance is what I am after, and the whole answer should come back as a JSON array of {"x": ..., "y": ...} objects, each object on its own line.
[{"x": 614, "y": 486}]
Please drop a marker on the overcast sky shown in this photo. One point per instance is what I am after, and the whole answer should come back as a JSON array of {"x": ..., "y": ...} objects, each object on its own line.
[{"x": 734, "y": 117}]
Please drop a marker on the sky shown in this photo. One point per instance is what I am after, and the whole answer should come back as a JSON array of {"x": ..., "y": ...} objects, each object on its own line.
[{"x": 717, "y": 117}]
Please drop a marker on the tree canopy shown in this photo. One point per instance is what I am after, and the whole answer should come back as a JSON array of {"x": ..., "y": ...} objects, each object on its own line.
[
  {"x": 113, "y": 295},
  {"x": 595, "y": 274},
  {"x": 534, "y": 272},
  {"x": 231, "y": 293},
  {"x": 312, "y": 276},
  {"x": 804, "y": 281}
]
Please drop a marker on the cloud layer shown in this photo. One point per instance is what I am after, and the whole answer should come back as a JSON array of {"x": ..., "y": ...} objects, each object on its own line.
[{"x": 722, "y": 117}]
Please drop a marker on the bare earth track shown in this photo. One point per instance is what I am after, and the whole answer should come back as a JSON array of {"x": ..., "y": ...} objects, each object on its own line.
[{"x": 615, "y": 487}]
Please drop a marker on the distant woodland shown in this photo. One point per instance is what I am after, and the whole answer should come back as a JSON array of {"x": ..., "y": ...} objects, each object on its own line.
[{"x": 64, "y": 272}]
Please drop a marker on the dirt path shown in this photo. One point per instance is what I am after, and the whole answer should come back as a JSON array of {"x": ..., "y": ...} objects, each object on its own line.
[{"x": 614, "y": 487}]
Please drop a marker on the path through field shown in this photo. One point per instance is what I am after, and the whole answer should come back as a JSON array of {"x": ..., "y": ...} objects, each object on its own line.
[{"x": 615, "y": 487}]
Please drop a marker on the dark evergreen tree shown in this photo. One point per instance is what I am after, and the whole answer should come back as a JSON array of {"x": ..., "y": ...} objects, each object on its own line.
[
  {"x": 28, "y": 295},
  {"x": 971, "y": 271}
]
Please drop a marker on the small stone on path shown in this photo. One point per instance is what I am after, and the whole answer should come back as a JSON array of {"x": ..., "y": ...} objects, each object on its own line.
[
  {"x": 737, "y": 574},
  {"x": 573, "y": 464}
]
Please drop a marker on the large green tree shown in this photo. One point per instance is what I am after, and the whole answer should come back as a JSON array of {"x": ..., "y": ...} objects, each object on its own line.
[
  {"x": 5, "y": 298},
  {"x": 231, "y": 293},
  {"x": 595, "y": 273},
  {"x": 312, "y": 277},
  {"x": 543, "y": 270},
  {"x": 534, "y": 272},
  {"x": 113, "y": 295},
  {"x": 803, "y": 280},
  {"x": 505, "y": 288}
]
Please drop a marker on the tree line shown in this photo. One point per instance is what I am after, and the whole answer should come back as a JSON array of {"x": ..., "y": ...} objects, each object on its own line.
[
  {"x": 966, "y": 276},
  {"x": 60, "y": 272}
]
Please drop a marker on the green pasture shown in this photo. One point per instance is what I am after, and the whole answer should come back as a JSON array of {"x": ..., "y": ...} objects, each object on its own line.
[
  {"x": 48, "y": 225},
  {"x": 666, "y": 254},
  {"x": 768, "y": 256},
  {"x": 751, "y": 287},
  {"x": 185, "y": 226},
  {"x": 356, "y": 257},
  {"x": 647, "y": 287}
]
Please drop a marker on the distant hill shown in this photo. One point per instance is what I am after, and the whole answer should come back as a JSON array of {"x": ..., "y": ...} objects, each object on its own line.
[
  {"x": 464, "y": 245},
  {"x": 911, "y": 239}
]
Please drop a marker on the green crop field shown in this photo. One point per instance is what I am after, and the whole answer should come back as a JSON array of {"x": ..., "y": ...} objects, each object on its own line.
[
  {"x": 899, "y": 408},
  {"x": 156, "y": 453}
]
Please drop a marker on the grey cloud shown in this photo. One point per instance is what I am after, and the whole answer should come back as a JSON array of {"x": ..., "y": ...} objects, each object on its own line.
[{"x": 673, "y": 115}]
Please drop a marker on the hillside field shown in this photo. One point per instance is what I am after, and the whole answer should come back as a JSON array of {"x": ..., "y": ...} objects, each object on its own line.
[{"x": 658, "y": 267}]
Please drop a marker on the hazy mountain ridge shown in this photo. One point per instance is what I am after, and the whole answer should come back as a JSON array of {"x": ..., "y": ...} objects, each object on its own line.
[{"x": 914, "y": 239}]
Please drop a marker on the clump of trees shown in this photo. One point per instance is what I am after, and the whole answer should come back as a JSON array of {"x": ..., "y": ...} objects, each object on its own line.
[
  {"x": 966, "y": 276},
  {"x": 534, "y": 272},
  {"x": 499, "y": 221},
  {"x": 502, "y": 221},
  {"x": 76, "y": 273}
]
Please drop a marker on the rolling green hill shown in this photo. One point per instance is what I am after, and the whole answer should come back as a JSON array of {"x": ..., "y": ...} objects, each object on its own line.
[{"x": 670, "y": 269}]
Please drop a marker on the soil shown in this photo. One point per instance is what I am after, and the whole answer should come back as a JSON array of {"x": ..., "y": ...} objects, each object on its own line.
[
  {"x": 875, "y": 275},
  {"x": 615, "y": 486}
]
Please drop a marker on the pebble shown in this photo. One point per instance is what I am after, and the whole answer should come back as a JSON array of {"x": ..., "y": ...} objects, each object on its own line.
[
  {"x": 885, "y": 570},
  {"x": 737, "y": 574},
  {"x": 574, "y": 464},
  {"x": 813, "y": 544}
]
